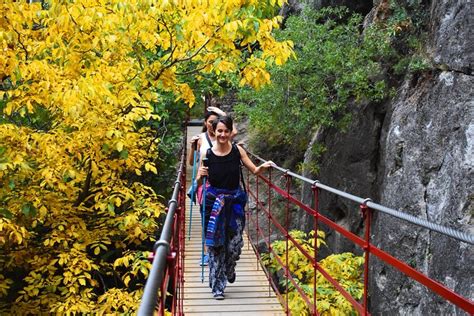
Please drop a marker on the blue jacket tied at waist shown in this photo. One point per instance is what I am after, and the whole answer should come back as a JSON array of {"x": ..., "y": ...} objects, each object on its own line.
[{"x": 227, "y": 206}]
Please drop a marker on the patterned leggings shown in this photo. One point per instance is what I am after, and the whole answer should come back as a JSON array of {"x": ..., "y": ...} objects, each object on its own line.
[{"x": 222, "y": 259}]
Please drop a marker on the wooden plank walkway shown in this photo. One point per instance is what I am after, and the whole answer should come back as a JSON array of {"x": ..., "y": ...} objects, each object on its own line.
[{"x": 249, "y": 295}]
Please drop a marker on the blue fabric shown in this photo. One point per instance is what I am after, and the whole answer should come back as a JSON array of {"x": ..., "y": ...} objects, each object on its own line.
[
  {"x": 228, "y": 205},
  {"x": 193, "y": 191}
]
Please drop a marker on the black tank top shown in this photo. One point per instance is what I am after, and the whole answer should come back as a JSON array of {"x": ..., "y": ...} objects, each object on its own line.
[{"x": 224, "y": 171}]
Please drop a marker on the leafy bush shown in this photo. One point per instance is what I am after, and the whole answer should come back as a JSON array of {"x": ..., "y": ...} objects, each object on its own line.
[
  {"x": 334, "y": 66},
  {"x": 345, "y": 268},
  {"x": 402, "y": 29}
]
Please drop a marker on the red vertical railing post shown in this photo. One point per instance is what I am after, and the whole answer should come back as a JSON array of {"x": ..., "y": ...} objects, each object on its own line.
[
  {"x": 161, "y": 310},
  {"x": 183, "y": 232},
  {"x": 269, "y": 198},
  {"x": 176, "y": 265},
  {"x": 182, "y": 247},
  {"x": 367, "y": 215},
  {"x": 287, "y": 235},
  {"x": 257, "y": 229},
  {"x": 315, "y": 191},
  {"x": 172, "y": 277},
  {"x": 182, "y": 228},
  {"x": 182, "y": 237},
  {"x": 171, "y": 264}
]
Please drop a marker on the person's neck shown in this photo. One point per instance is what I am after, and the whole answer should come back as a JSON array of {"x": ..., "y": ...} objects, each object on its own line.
[{"x": 223, "y": 148}]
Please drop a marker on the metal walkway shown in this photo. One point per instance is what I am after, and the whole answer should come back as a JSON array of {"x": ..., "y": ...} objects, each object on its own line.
[{"x": 249, "y": 295}]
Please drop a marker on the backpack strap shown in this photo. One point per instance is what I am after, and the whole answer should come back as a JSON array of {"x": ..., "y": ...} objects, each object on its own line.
[
  {"x": 241, "y": 165},
  {"x": 207, "y": 152},
  {"x": 209, "y": 140}
]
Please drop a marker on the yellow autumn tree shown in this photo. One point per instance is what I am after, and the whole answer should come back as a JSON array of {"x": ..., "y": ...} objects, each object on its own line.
[{"x": 78, "y": 83}]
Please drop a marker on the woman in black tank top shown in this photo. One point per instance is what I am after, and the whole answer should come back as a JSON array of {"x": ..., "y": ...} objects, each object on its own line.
[
  {"x": 225, "y": 170},
  {"x": 227, "y": 219}
]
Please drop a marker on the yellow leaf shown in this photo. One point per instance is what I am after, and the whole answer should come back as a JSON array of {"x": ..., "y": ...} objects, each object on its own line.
[{"x": 126, "y": 280}]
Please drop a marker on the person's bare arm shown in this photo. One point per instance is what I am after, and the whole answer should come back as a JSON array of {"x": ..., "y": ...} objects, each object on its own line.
[
  {"x": 216, "y": 110},
  {"x": 234, "y": 131},
  {"x": 195, "y": 144},
  {"x": 250, "y": 165}
]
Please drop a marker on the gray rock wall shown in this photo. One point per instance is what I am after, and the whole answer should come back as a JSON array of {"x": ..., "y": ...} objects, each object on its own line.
[
  {"x": 426, "y": 169},
  {"x": 452, "y": 30},
  {"x": 351, "y": 165},
  {"x": 415, "y": 154}
]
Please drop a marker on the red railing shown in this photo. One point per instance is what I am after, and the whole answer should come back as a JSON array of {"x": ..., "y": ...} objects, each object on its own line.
[
  {"x": 165, "y": 283},
  {"x": 366, "y": 207}
]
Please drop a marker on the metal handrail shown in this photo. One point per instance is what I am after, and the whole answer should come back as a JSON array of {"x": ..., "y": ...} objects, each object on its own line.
[
  {"x": 366, "y": 207},
  {"x": 461, "y": 236},
  {"x": 159, "y": 276},
  {"x": 162, "y": 248}
]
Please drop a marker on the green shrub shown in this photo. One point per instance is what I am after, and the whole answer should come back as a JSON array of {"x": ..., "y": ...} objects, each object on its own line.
[{"x": 334, "y": 66}]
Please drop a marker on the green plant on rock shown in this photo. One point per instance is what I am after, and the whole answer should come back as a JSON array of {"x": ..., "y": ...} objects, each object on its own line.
[
  {"x": 345, "y": 268},
  {"x": 403, "y": 28},
  {"x": 334, "y": 67}
]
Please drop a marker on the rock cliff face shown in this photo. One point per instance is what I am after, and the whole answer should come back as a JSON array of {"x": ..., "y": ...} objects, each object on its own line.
[
  {"x": 426, "y": 169},
  {"x": 350, "y": 164},
  {"x": 415, "y": 154}
]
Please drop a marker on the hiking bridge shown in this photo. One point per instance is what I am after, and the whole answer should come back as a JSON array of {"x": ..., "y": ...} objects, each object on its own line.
[{"x": 177, "y": 284}]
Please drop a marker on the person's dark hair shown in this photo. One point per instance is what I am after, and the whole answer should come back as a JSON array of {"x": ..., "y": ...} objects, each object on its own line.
[
  {"x": 224, "y": 119},
  {"x": 206, "y": 116}
]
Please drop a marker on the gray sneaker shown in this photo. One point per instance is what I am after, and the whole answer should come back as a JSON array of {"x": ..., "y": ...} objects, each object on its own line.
[{"x": 219, "y": 297}]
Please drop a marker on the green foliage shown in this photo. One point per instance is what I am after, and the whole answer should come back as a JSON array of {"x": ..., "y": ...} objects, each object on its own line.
[
  {"x": 334, "y": 67},
  {"x": 404, "y": 30},
  {"x": 316, "y": 150},
  {"x": 345, "y": 268}
]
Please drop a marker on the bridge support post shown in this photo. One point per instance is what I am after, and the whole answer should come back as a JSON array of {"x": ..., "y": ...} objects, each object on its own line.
[
  {"x": 257, "y": 229},
  {"x": 287, "y": 228},
  {"x": 315, "y": 191},
  {"x": 367, "y": 215},
  {"x": 171, "y": 266},
  {"x": 269, "y": 200}
]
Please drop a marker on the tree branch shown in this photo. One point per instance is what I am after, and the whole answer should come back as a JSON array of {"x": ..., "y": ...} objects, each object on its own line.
[
  {"x": 191, "y": 72},
  {"x": 21, "y": 43},
  {"x": 87, "y": 184}
]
